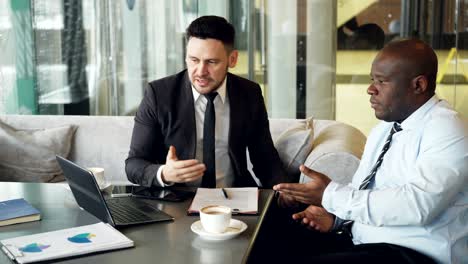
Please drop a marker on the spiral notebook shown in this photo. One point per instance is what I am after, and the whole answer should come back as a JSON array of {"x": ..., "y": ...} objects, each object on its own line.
[{"x": 65, "y": 243}]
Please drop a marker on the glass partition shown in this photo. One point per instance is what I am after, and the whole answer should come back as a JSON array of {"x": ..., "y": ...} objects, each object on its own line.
[
  {"x": 442, "y": 24},
  {"x": 311, "y": 57}
]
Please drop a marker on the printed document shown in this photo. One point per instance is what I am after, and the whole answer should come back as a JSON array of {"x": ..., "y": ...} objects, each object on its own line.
[{"x": 64, "y": 243}]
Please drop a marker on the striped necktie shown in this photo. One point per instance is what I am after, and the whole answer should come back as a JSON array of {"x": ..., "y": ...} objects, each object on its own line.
[
  {"x": 396, "y": 128},
  {"x": 209, "y": 159},
  {"x": 347, "y": 224}
]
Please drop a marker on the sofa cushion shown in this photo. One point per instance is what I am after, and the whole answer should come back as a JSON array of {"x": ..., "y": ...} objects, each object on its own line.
[
  {"x": 295, "y": 144},
  {"x": 28, "y": 155},
  {"x": 337, "y": 150}
]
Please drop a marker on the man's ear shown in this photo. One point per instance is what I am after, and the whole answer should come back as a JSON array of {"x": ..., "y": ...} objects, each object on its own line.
[
  {"x": 419, "y": 84},
  {"x": 233, "y": 58}
]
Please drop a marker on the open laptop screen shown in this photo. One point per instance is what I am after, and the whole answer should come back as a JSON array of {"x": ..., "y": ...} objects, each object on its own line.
[
  {"x": 260, "y": 242},
  {"x": 85, "y": 189}
]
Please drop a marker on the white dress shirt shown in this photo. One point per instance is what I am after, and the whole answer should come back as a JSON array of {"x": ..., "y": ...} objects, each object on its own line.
[
  {"x": 419, "y": 196},
  {"x": 224, "y": 173}
]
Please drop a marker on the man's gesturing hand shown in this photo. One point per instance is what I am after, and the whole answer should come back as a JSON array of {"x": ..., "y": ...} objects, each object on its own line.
[
  {"x": 178, "y": 171},
  {"x": 316, "y": 218},
  {"x": 307, "y": 193}
]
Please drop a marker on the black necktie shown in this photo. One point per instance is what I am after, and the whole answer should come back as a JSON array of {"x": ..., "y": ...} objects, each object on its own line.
[
  {"x": 209, "y": 179},
  {"x": 396, "y": 128}
]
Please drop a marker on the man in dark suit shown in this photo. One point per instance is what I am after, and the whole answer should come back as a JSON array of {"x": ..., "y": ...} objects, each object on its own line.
[{"x": 170, "y": 138}]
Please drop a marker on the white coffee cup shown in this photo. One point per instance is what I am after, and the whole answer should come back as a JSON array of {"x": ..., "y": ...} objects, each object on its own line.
[
  {"x": 215, "y": 218},
  {"x": 99, "y": 176}
]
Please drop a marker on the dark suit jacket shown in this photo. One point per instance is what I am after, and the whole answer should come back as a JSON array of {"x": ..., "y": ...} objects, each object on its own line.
[{"x": 166, "y": 116}]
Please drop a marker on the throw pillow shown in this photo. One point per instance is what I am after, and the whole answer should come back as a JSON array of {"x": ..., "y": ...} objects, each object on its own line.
[
  {"x": 28, "y": 155},
  {"x": 294, "y": 145}
]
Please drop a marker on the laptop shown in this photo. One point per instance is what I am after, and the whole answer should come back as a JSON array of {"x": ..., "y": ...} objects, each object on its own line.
[
  {"x": 117, "y": 211},
  {"x": 270, "y": 240},
  {"x": 259, "y": 249}
]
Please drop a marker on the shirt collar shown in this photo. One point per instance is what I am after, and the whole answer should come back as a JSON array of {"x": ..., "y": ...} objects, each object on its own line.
[
  {"x": 415, "y": 118},
  {"x": 221, "y": 91}
]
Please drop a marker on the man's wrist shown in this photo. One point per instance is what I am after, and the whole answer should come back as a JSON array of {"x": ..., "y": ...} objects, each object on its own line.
[
  {"x": 337, "y": 224},
  {"x": 342, "y": 226},
  {"x": 159, "y": 177}
]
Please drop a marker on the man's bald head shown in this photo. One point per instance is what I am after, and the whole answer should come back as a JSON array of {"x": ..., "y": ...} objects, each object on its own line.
[
  {"x": 403, "y": 79},
  {"x": 416, "y": 58}
]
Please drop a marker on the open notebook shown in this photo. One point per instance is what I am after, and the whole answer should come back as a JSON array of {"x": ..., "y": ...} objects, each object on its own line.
[{"x": 240, "y": 200}]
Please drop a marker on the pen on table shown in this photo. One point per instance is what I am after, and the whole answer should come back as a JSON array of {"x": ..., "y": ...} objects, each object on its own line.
[
  {"x": 120, "y": 195},
  {"x": 225, "y": 193}
]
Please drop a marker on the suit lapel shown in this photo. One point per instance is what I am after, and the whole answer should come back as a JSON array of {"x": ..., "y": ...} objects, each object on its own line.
[
  {"x": 236, "y": 111},
  {"x": 187, "y": 115}
]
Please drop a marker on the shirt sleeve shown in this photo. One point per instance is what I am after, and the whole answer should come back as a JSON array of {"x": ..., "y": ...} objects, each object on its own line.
[
  {"x": 437, "y": 176},
  {"x": 159, "y": 178}
]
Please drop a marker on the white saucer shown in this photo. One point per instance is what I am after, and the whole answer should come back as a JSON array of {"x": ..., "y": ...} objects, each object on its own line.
[{"x": 235, "y": 228}]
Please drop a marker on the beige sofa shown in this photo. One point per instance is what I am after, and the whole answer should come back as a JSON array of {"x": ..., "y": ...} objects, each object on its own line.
[{"x": 104, "y": 141}]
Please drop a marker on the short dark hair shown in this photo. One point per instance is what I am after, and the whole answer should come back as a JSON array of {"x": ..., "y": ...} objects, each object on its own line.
[{"x": 213, "y": 27}]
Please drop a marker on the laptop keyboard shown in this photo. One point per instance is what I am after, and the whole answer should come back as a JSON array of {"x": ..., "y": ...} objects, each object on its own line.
[{"x": 124, "y": 211}]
